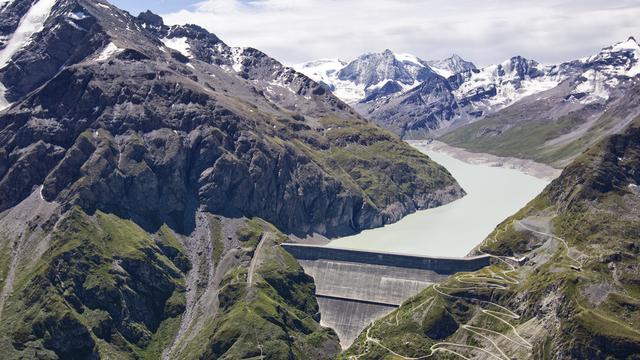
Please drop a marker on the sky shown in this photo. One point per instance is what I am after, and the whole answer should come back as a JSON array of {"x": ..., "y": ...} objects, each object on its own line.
[{"x": 483, "y": 31}]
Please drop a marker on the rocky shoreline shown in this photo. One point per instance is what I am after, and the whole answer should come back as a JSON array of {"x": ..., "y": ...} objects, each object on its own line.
[{"x": 529, "y": 167}]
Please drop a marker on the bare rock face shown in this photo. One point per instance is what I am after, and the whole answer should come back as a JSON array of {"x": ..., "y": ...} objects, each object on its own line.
[{"x": 29, "y": 166}]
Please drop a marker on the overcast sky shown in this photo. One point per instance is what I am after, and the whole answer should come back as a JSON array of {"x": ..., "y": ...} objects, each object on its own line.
[{"x": 483, "y": 31}]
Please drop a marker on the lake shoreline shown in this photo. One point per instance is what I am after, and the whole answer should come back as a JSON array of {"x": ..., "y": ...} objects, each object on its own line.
[
  {"x": 529, "y": 167},
  {"x": 496, "y": 189}
]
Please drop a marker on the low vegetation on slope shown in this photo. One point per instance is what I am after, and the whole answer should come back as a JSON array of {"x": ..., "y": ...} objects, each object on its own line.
[
  {"x": 565, "y": 282},
  {"x": 265, "y": 308},
  {"x": 103, "y": 286},
  {"x": 106, "y": 288},
  {"x": 543, "y": 131}
]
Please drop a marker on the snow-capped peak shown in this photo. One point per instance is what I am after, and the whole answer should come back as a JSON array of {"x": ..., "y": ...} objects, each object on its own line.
[
  {"x": 631, "y": 44},
  {"x": 367, "y": 74},
  {"x": 605, "y": 70},
  {"x": 500, "y": 85},
  {"x": 621, "y": 49},
  {"x": 451, "y": 65},
  {"x": 405, "y": 57}
]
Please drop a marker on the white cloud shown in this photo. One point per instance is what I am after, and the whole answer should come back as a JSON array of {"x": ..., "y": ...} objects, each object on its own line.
[{"x": 484, "y": 31}]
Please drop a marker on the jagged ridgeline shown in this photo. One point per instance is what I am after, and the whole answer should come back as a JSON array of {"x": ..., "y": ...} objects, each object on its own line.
[
  {"x": 148, "y": 174},
  {"x": 565, "y": 283},
  {"x": 516, "y": 108}
]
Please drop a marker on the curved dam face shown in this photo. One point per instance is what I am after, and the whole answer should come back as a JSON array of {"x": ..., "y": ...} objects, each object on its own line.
[{"x": 354, "y": 288}]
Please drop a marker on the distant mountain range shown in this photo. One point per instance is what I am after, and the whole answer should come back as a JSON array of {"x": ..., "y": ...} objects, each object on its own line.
[
  {"x": 517, "y": 108},
  {"x": 417, "y": 98},
  {"x": 375, "y": 75}
]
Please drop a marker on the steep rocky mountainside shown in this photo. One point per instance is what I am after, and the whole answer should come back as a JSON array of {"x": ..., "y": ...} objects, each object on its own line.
[
  {"x": 146, "y": 174},
  {"x": 121, "y": 120},
  {"x": 456, "y": 93},
  {"x": 565, "y": 282},
  {"x": 90, "y": 286},
  {"x": 596, "y": 97}
]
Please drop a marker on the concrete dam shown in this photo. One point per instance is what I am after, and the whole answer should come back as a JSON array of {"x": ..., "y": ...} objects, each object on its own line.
[{"x": 354, "y": 288}]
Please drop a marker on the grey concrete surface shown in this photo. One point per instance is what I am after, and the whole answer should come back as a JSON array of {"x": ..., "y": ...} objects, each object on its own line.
[
  {"x": 440, "y": 265},
  {"x": 354, "y": 288},
  {"x": 348, "y": 318}
]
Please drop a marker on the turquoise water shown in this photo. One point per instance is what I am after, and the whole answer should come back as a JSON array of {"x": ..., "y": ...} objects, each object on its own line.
[{"x": 493, "y": 194}]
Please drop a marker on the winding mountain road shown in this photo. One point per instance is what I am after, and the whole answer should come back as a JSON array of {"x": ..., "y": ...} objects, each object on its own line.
[{"x": 500, "y": 280}]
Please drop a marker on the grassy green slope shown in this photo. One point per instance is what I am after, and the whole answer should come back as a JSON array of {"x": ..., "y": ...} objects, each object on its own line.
[
  {"x": 106, "y": 288},
  {"x": 276, "y": 316},
  {"x": 505, "y": 134},
  {"x": 103, "y": 287},
  {"x": 576, "y": 296}
]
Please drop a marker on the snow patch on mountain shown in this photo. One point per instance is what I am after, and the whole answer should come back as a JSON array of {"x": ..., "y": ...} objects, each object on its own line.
[
  {"x": 30, "y": 24},
  {"x": 592, "y": 87},
  {"x": 79, "y": 15},
  {"x": 348, "y": 91},
  {"x": 450, "y": 66},
  {"x": 445, "y": 73},
  {"x": 237, "y": 58},
  {"x": 321, "y": 70},
  {"x": 409, "y": 58},
  {"x": 109, "y": 51},
  {"x": 326, "y": 71},
  {"x": 179, "y": 44}
]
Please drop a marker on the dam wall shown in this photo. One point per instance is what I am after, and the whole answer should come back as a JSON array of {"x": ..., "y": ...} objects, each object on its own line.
[
  {"x": 354, "y": 288},
  {"x": 441, "y": 265}
]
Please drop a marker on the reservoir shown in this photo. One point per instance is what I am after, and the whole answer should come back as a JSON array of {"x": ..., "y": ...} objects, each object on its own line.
[{"x": 453, "y": 230}]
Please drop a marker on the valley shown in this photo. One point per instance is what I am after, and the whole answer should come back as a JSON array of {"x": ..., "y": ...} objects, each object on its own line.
[{"x": 167, "y": 195}]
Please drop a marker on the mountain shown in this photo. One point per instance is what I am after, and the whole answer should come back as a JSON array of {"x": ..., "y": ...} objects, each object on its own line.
[
  {"x": 564, "y": 283},
  {"x": 558, "y": 115},
  {"x": 454, "y": 93},
  {"x": 377, "y": 75},
  {"x": 450, "y": 66},
  {"x": 398, "y": 91},
  {"x": 428, "y": 106},
  {"x": 148, "y": 174}
]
